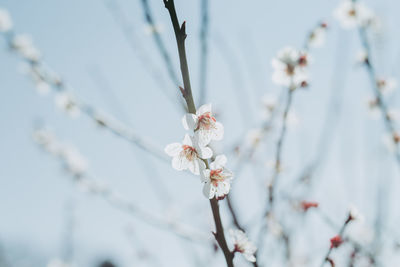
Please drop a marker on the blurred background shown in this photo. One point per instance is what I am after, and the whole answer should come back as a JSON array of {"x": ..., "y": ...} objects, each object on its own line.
[{"x": 106, "y": 52}]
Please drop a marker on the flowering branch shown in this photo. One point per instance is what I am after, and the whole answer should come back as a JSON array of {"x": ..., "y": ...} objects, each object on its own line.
[
  {"x": 180, "y": 35},
  {"x": 46, "y": 79},
  {"x": 337, "y": 240},
  {"x": 380, "y": 102}
]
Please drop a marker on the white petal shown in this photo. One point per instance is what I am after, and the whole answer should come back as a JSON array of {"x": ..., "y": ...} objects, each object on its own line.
[
  {"x": 194, "y": 167},
  {"x": 173, "y": 149},
  {"x": 219, "y": 162},
  {"x": 218, "y": 132},
  {"x": 187, "y": 140},
  {"x": 223, "y": 188},
  {"x": 209, "y": 190},
  {"x": 203, "y": 109},
  {"x": 204, "y": 152},
  {"x": 250, "y": 257},
  {"x": 203, "y": 137},
  {"x": 180, "y": 163},
  {"x": 189, "y": 121},
  {"x": 205, "y": 175}
]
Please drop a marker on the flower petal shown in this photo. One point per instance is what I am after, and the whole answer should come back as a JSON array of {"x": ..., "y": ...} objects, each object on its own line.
[
  {"x": 194, "y": 167},
  {"x": 203, "y": 109},
  {"x": 205, "y": 175},
  {"x": 173, "y": 149},
  {"x": 204, "y": 152},
  {"x": 209, "y": 190},
  {"x": 219, "y": 162},
  {"x": 189, "y": 121},
  {"x": 203, "y": 137},
  {"x": 218, "y": 132},
  {"x": 187, "y": 140},
  {"x": 180, "y": 163}
]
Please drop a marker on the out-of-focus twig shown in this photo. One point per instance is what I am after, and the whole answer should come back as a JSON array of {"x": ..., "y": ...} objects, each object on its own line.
[
  {"x": 41, "y": 72},
  {"x": 77, "y": 171},
  {"x": 204, "y": 50}
]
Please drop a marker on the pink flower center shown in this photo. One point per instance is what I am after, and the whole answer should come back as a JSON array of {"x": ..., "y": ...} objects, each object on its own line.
[
  {"x": 216, "y": 176},
  {"x": 206, "y": 121},
  {"x": 238, "y": 248},
  {"x": 189, "y": 152}
]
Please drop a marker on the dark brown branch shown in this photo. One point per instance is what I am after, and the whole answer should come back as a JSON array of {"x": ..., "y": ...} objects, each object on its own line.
[{"x": 180, "y": 34}]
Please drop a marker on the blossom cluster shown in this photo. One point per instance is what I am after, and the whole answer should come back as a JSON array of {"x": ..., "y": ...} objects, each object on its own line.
[
  {"x": 290, "y": 68},
  {"x": 353, "y": 14},
  {"x": 194, "y": 152}
]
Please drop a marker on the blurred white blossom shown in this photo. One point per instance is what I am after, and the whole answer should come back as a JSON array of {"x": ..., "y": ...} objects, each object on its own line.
[
  {"x": 269, "y": 103},
  {"x": 66, "y": 102},
  {"x": 386, "y": 85},
  {"x": 353, "y": 14},
  {"x": 290, "y": 68},
  {"x": 5, "y": 20},
  {"x": 24, "y": 45},
  {"x": 74, "y": 162},
  {"x": 243, "y": 245},
  {"x": 318, "y": 35},
  {"x": 58, "y": 263}
]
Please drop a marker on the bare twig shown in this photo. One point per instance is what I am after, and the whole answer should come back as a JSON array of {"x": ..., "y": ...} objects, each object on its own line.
[
  {"x": 137, "y": 48},
  {"x": 204, "y": 50}
]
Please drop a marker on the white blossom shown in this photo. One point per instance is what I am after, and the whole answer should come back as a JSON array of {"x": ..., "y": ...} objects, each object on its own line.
[
  {"x": 391, "y": 142},
  {"x": 253, "y": 136},
  {"x": 386, "y": 85},
  {"x": 204, "y": 124},
  {"x": 188, "y": 154},
  {"x": 353, "y": 14},
  {"x": 269, "y": 103},
  {"x": 243, "y": 245},
  {"x": 5, "y": 20},
  {"x": 217, "y": 179},
  {"x": 66, "y": 102},
  {"x": 58, "y": 263},
  {"x": 150, "y": 29},
  {"x": 74, "y": 161},
  {"x": 24, "y": 45},
  {"x": 290, "y": 68},
  {"x": 317, "y": 36}
]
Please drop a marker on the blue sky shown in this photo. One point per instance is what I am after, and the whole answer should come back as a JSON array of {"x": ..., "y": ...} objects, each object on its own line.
[{"x": 81, "y": 41}]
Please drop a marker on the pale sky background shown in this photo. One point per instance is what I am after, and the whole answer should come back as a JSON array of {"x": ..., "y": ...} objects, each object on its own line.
[{"x": 80, "y": 40}]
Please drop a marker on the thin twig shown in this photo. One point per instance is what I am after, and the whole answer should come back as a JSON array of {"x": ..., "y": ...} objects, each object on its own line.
[
  {"x": 204, "y": 50},
  {"x": 112, "y": 125},
  {"x": 380, "y": 102},
  {"x": 134, "y": 44}
]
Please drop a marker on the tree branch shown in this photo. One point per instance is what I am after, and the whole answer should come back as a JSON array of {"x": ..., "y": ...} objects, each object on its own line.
[{"x": 180, "y": 35}]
